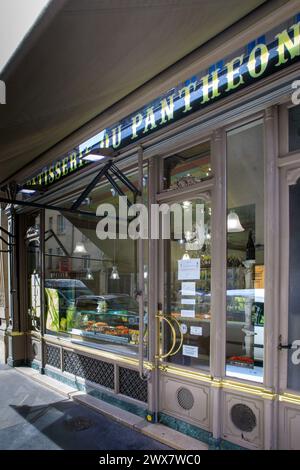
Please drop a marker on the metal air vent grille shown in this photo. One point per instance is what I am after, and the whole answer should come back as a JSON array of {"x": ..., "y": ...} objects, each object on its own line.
[
  {"x": 185, "y": 398},
  {"x": 243, "y": 417}
]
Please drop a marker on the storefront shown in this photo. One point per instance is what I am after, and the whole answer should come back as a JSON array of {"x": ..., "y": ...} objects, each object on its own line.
[{"x": 198, "y": 332}]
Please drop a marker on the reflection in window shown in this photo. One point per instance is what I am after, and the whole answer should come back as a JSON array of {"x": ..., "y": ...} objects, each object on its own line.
[
  {"x": 186, "y": 166},
  {"x": 294, "y": 128},
  {"x": 83, "y": 299},
  {"x": 61, "y": 224},
  {"x": 293, "y": 381},
  {"x": 188, "y": 289},
  {"x": 245, "y": 253}
]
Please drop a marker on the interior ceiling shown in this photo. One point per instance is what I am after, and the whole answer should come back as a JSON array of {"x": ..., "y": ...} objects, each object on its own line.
[{"x": 92, "y": 54}]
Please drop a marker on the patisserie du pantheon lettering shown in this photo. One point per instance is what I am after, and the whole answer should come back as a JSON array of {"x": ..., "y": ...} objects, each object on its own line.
[{"x": 217, "y": 82}]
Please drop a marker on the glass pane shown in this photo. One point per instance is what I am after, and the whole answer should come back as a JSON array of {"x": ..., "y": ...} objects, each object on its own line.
[
  {"x": 294, "y": 291},
  {"x": 91, "y": 283},
  {"x": 245, "y": 253},
  {"x": 294, "y": 128},
  {"x": 192, "y": 164},
  {"x": 33, "y": 271},
  {"x": 187, "y": 289}
]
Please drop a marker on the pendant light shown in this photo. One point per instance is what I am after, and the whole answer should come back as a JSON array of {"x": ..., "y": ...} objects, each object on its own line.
[
  {"x": 145, "y": 272},
  {"x": 186, "y": 256},
  {"x": 114, "y": 272},
  {"x": 80, "y": 248},
  {"x": 89, "y": 275},
  {"x": 233, "y": 223}
]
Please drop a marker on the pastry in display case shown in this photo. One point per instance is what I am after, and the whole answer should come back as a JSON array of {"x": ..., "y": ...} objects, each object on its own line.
[{"x": 111, "y": 317}]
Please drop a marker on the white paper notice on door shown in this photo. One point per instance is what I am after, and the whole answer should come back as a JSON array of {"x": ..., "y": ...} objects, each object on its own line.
[
  {"x": 191, "y": 351},
  {"x": 196, "y": 330},
  {"x": 188, "y": 288},
  {"x": 188, "y": 301},
  {"x": 189, "y": 269},
  {"x": 188, "y": 313}
]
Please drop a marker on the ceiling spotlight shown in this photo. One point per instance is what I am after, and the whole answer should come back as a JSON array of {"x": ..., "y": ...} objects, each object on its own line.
[
  {"x": 27, "y": 191},
  {"x": 31, "y": 189},
  {"x": 98, "y": 154}
]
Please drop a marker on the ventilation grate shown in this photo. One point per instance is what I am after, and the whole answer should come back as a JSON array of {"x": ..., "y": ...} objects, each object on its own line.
[
  {"x": 243, "y": 417},
  {"x": 88, "y": 368},
  {"x": 53, "y": 356},
  {"x": 131, "y": 385},
  {"x": 185, "y": 398}
]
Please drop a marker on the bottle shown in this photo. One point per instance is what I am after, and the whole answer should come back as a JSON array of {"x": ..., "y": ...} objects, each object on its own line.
[{"x": 250, "y": 248}]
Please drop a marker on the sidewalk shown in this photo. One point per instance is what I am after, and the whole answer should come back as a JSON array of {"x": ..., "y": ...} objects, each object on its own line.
[{"x": 35, "y": 418}]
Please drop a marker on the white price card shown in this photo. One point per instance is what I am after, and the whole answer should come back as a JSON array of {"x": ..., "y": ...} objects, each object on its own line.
[
  {"x": 191, "y": 351},
  {"x": 188, "y": 313},
  {"x": 188, "y": 301},
  {"x": 188, "y": 288},
  {"x": 189, "y": 269},
  {"x": 196, "y": 330}
]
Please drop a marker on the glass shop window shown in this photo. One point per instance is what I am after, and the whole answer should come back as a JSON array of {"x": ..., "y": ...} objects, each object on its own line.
[
  {"x": 187, "y": 306},
  {"x": 91, "y": 295},
  {"x": 294, "y": 128},
  {"x": 33, "y": 268},
  {"x": 187, "y": 167},
  {"x": 245, "y": 253}
]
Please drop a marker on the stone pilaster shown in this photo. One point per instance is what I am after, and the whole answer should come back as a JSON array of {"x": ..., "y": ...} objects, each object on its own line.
[
  {"x": 4, "y": 314},
  {"x": 15, "y": 335}
]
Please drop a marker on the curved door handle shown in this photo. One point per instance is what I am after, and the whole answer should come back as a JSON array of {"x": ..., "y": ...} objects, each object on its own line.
[
  {"x": 161, "y": 317},
  {"x": 181, "y": 338},
  {"x": 171, "y": 351}
]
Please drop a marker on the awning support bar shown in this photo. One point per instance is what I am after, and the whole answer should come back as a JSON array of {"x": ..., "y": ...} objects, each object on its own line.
[
  {"x": 53, "y": 234},
  {"x": 46, "y": 206},
  {"x": 125, "y": 180},
  {"x": 91, "y": 186}
]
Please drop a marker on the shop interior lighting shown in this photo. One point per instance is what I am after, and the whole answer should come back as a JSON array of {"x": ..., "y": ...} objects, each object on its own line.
[{"x": 233, "y": 223}]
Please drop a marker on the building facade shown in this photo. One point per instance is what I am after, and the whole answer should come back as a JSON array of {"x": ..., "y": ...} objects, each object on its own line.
[{"x": 199, "y": 332}]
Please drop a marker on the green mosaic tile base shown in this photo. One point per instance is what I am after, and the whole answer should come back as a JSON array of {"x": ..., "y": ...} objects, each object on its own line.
[
  {"x": 174, "y": 423},
  {"x": 197, "y": 433},
  {"x": 186, "y": 428}
]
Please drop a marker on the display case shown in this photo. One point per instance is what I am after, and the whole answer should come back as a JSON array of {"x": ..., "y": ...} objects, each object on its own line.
[{"x": 111, "y": 317}]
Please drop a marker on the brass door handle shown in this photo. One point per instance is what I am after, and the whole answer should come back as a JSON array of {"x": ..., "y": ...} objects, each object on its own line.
[
  {"x": 181, "y": 338},
  {"x": 171, "y": 351}
]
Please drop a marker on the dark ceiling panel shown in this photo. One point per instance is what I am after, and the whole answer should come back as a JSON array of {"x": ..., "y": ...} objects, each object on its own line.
[{"x": 91, "y": 55}]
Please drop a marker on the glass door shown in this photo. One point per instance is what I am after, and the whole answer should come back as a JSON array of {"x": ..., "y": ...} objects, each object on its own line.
[
  {"x": 186, "y": 311},
  {"x": 289, "y": 339}
]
